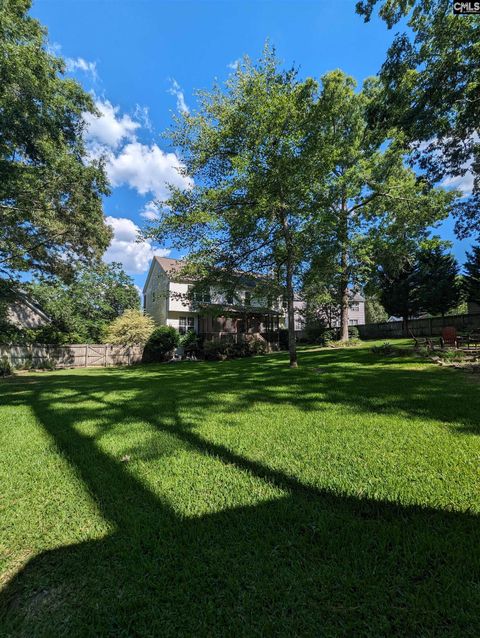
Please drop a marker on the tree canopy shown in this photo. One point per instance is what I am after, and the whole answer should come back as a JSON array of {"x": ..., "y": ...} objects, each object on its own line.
[
  {"x": 50, "y": 194},
  {"x": 431, "y": 83},
  {"x": 82, "y": 308},
  {"x": 365, "y": 194}
]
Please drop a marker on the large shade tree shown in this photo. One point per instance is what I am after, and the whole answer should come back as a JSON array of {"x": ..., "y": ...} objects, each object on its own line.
[
  {"x": 431, "y": 84},
  {"x": 365, "y": 194},
  {"x": 50, "y": 195},
  {"x": 251, "y": 202}
]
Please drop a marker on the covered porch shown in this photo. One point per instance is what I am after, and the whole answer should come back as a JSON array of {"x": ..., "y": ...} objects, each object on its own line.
[{"x": 234, "y": 324}]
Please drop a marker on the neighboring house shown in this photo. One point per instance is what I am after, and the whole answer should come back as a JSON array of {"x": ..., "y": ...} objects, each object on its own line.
[
  {"x": 169, "y": 298},
  {"x": 356, "y": 312},
  {"x": 394, "y": 319},
  {"x": 356, "y": 309},
  {"x": 22, "y": 312}
]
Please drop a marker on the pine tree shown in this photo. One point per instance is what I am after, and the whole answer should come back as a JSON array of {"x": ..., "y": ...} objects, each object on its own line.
[
  {"x": 439, "y": 289},
  {"x": 471, "y": 279}
]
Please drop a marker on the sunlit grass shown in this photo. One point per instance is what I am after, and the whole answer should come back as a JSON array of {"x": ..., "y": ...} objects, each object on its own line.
[{"x": 242, "y": 498}]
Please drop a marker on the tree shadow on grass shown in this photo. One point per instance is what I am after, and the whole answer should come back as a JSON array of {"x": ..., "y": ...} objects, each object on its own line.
[{"x": 307, "y": 562}]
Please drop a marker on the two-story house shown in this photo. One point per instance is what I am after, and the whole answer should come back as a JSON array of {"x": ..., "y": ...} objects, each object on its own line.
[
  {"x": 331, "y": 315},
  {"x": 170, "y": 298}
]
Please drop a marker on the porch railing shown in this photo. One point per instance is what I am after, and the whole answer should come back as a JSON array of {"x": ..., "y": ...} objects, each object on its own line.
[{"x": 236, "y": 337}]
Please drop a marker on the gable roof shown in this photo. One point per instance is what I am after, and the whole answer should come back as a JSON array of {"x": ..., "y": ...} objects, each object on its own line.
[{"x": 170, "y": 266}]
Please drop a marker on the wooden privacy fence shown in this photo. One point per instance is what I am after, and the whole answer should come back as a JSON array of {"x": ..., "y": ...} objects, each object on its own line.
[
  {"x": 431, "y": 327},
  {"x": 75, "y": 355}
]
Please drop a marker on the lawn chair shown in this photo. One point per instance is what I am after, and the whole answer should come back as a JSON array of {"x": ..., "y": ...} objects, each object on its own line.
[
  {"x": 449, "y": 337},
  {"x": 424, "y": 342},
  {"x": 473, "y": 339}
]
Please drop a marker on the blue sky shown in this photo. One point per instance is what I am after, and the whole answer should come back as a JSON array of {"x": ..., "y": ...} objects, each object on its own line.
[{"x": 144, "y": 59}]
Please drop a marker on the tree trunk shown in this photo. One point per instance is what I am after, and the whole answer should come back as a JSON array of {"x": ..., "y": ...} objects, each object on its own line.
[
  {"x": 344, "y": 303},
  {"x": 344, "y": 310},
  {"x": 287, "y": 235},
  {"x": 292, "y": 346}
]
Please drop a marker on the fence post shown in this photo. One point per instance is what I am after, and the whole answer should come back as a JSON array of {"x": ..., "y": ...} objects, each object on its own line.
[{"x": 86, "y": 355}]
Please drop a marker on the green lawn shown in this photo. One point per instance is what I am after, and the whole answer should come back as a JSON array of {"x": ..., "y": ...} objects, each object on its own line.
[{"x": 242, "y": 498}]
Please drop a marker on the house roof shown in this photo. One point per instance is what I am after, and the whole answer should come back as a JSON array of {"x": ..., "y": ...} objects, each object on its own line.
[
  {"x": 169, "y": 265},
  {"x": 173, "y": 267},
  {"x": 34, "y": 306},
  {"x": 356, "y": 296}
]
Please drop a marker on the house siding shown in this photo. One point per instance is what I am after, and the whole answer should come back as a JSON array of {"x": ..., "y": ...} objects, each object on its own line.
[{"x": 156, "y": 295}]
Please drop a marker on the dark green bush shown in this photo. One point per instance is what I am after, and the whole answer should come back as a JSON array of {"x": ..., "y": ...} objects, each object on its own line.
[
  {"x": 6, "y": 368},
  {"x": 318, "y": 332},
  {"x": 283, "y": 339},
  {"x": 161, "y": 344},
  {"x": 189, "y": 341},
  {"x": 353, "y": 332},
  {"x": 218, "y": 350},
  {"x": 221, "y": 350}
]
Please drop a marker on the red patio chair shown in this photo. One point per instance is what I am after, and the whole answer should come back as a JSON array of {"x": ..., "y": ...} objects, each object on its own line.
[{"x": 449, "y": 337}]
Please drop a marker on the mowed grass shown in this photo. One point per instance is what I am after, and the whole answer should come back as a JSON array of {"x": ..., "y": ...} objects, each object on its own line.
[{"x": 242, "y": 498}]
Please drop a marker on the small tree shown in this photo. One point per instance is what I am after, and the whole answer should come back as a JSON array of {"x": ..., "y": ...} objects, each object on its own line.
[
  {"x": 471, "y": 279},
  {"x": 374, "y": 311},
  {"x": 131, "y": 329},
  {"x": 439, "y": 289}
]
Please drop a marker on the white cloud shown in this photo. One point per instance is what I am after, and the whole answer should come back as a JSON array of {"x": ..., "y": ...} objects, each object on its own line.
[
  {"x": 235, "y": 64},
  {"x": 80, "y": 64},
  {"x": 109, "y": 129},
  {"x": 147, "y": 169},
  {"x": 176, "y": 90},
  {"x": 462, "y": 183},
  {"x": 142, "y": 115},
  {"x": 149, "y": 212},
  {"x": 135, "y": 255}
]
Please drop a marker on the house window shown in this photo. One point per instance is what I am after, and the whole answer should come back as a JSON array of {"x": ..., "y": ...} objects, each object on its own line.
[
  {"x": 354, "y": 305},
  {"x": 202, "y": 296},
  {"x": 229, "y": 299},
  {"x": 153, "y": 297},
  {"x": 186, "y": 324},
  {"x": 248, "y": 298},
  {"x": 299, "y": 325},
  {"x": 353, "y": 322}
]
